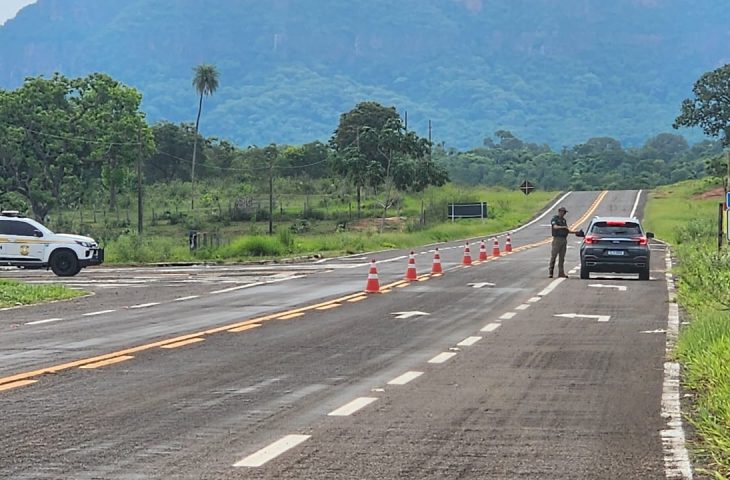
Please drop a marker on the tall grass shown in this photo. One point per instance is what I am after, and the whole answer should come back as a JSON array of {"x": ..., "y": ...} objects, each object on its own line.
[{"x": 689, "y": 222}]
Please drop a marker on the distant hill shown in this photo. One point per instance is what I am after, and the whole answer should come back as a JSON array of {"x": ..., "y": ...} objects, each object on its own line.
[{"x": 551, "y": 71}]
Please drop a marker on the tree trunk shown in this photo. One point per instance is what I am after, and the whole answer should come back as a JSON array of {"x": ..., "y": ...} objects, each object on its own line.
[{"x": 195, "y": 150}]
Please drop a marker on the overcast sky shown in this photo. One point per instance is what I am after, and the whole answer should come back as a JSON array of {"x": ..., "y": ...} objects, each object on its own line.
[{"x": 8, "y": 8}]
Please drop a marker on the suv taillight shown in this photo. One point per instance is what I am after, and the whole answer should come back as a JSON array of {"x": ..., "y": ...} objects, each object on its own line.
[
  {"x": 591, "y": 239},
  {"x": 643, "y": 241}
]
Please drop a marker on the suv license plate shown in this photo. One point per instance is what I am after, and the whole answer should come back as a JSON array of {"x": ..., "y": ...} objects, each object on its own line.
[{"x": 614, "y": 252}]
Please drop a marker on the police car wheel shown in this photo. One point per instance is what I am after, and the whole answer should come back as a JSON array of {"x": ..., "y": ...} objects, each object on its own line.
[{"x": 65, "y": 264}]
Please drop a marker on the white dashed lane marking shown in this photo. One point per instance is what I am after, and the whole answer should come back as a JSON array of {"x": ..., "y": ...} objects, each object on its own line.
[
  {"x": 442, "y": 357},
  {"x": 352, "y": 407},
  {"x": 100, "y": 312},
  {"x": 145, "y": 305},
  {"x": 469, "y": 341},
  {"x": 48, "y": 320},
  {"x": 269, "y": 453},
  {"x": 507, "y": 316},
  {"x": 405, "y": 378},
  {"x": 490, "y": 327}
]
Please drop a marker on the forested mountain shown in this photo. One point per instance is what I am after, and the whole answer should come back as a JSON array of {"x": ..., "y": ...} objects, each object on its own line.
[{"x": 550, "y": 71}]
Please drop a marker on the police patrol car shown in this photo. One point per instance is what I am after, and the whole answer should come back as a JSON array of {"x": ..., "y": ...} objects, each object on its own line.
[{"x": 26, "y": 243}]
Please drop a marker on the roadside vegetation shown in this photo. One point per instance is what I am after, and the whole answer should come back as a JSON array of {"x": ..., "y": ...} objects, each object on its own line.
[
  {"x": 14, "y": 294},
  {"x": 331, "y": 233},
  {"x": 685, "y": 215}
]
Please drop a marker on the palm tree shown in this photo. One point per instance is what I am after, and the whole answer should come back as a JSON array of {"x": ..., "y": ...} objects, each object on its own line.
[{"x": 205, "y": 82}]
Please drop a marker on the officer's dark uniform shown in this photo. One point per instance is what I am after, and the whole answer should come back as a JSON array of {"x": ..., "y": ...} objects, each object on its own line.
[{"x": 560, "y": 244}]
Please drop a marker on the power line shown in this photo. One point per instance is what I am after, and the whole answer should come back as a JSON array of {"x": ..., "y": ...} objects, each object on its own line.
[{"x": 230, "y": 169}]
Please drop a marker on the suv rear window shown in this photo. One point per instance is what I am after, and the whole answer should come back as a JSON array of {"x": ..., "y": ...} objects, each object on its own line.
[{"x": 616, "y": 228}]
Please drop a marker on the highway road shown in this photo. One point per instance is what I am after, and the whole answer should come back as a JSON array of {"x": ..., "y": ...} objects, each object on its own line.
[{"x": 290, "y": 371}]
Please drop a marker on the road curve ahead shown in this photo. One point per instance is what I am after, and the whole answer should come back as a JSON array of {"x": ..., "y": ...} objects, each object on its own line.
[{"x": 490, "y": 370}]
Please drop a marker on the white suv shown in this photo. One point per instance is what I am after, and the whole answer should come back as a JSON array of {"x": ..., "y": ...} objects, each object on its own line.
[{"x": 28, "y": 244}]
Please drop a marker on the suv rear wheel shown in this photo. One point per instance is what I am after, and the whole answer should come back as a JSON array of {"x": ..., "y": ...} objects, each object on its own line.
[
  {"x": 64, "y": 263},
  {"x": 644, "y": 274},
  {"x": 584, "y": 273}
]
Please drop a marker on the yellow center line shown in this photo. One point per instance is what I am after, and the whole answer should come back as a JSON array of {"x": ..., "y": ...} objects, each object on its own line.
[
  {"x": 17, "y": 384},
  {"x": 104, "y": 363},
  {"x": 183, "y": 343},
  {"x": 245, "y": 327},
  {"x": 327, "y": 307}
]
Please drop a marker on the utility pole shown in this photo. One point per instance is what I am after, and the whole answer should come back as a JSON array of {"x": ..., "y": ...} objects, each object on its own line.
[
  {"x": 140, "y": 216},
  {"x": 271, "y": 197}
]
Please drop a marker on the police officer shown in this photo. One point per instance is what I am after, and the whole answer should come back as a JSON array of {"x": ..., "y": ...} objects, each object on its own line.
[{"x": 560, "y": 231}]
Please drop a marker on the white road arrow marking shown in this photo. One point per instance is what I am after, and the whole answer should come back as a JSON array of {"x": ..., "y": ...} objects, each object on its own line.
[
  {"x": 600, "y": 318},
  {"x": 620, "y": 288},
  {"x": 481, "y": 284},
  {"x": 408, "y": 314}
]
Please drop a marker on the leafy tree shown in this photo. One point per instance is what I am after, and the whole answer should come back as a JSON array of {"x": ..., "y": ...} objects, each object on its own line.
[
  {"x": 59, "y": 134},
  {"x": 356, "y": 143},
  {"x": 710, "y": 107},
  {"x": 205, "y": 82},
  {"x": 169, "y": 162},
  {"x": 112, "y": 116}
]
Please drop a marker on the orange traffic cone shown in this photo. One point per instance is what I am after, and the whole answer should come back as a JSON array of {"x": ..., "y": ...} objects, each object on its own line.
[
  {"x": 482, "y": 251},
  {"x": 508, "y": 243},
  {"x": 373, "y": 285},
  {"x": 467, "y": 256},
  {"x": 411, "y": 270},
  {"x": 495, "y": 249},
  {"x": 436, "y": 267}
]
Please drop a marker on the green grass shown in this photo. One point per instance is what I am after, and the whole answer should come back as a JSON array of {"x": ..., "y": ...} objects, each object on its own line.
[
  {"x": 13, "y": 294},
  {"x": 507, "y": 210},
  {"x": 683, "y": 216}
]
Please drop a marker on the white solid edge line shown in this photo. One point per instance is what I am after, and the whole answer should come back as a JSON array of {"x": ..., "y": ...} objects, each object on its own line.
[
  {"x": 507, "y": 316},
  {"x": 49, "y": 320},
  {"x": 405, "y": 378},
  {"x": 534, "y": 299},
  {"x": 490, "y": 327},
  {"x": 352, "y": 407},
  {"x": 442, "y": 357},
  {"x": 677, "y": 464},
  {"x": 269, "y": 453},
  {"x": 101, "y": 312},
  {"x": 468, "y": 341}
]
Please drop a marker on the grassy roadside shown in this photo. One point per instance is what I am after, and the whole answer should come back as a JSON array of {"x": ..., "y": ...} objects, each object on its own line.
[
  {"x": 686, "y": 217},
  {"x": 13, "y": 294},
  {"x": 507, "y": 210}
]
